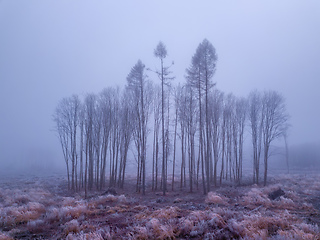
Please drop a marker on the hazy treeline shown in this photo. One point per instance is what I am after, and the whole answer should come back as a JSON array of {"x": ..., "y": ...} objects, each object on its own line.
[{"x": 196, "y": 121}]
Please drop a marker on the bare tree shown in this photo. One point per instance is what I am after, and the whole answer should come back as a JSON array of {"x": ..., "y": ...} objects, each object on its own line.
[
  {"x": 114, "y": 148},
  {"x": 176, "y": 107},
  {"x": 141, "y": 91},
  {"x": 164, "y": 76},
  {"x": 228, "y": 128},
  {"x": 60, "y": 118},
  {"x": 275, "y": 120},
  {"x": 216, "y": 111},
  {"x": 156, "y": 128},
  {"x": 199, "y": 76},
  {"x": 67, "y": 120},
  {"x": 105, "y": 106},
  {"x": 126, "y": 132},
  {"x": 97, "y": 142},
  {"x": 188, "y": 117},
  {"x": 256, "y": 124},
  {"x": 238, "y": 135},
  {"x": 89, "y": 108}
]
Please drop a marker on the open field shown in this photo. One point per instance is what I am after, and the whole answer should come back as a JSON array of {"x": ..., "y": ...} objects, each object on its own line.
[{"x": 42, "y": 208}]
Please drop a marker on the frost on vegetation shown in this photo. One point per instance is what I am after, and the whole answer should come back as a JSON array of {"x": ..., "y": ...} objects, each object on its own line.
[
  {"x": 36, "y": 225},
  {"x": 225, "y": 213},
  {"x": 19, "y": 197},
  {"x": 85, "y": 236},
  {"x": 68, "y": 201},
  {"x": 4, "y": 236},
  {"x": 199, "y": 223},
  {"x": 165, "y": 213},
  {"x": 73, "y": 211},
  {"x": 21, "y": 214},
  {"x": 141, "y": 233},
  {"x": 256, "y": 197},
  {"x": 102, "y": 202},
  {"x": 308, "y": 228},
  {"x": 110, "y": 198},
  {"x": 214, "y": 198},
  {"x": 260, "y": 226},
  {"x": 235, "y": 226},
  {"x": 254, "y": 216},
  {"x": 122, "y": 199},
  {"x": 52, "y": 214},
  {"x": 293, "y": 196},
  {"x": 162, "y": 231},
  {"x": 186, "y": 225},
  {"x": 199, "y": 228},
  {"x": 215, "y": 219},
  {"x": 162, "y": 214},
  {"x": 72, "y": 226},
  {"x": 286, "y": 202},
  {"x": 155, "y": 229},
  {"x": 295, "y": 234}
]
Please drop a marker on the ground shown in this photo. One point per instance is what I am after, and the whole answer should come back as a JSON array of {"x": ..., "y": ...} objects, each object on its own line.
[{"x": 43, "y": 208}]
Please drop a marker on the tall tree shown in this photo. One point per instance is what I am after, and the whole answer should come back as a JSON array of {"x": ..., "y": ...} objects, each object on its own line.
[
  {"x": 239, "y": 122},
  {"x": 67, "y": 120},
  {"x": 216, "y": 110},
  {"x": 199, "y": 76},
  {"x": 141, "y": 91},
  {"x": 164, "y": 75},
  {"x": 89, "y": 109},
  {"x": 156, "y": 129},
  {"x": 105, "y": 106},
  {"x": 127, "y": 126},
  {"x": 115, "y": 136},
  {"x": 275, "y": 120},
  {"x": 255, "y": 112},
  {"x": 187, "y": 117}
]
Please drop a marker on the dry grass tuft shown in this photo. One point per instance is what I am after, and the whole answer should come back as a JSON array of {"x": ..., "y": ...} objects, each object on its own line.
[
  {"x": 122, "y": 199},
  {"x": 286, "y": 203},
  {"x": 110, "y": 198},
  {"x": 185, "y": 226},
  {"x": 214, "y": 198},
  {"x": 21, "y": 214},
  {"x": 256, "y": 197},
  {"x": 308, "y": 228},
  {"x": 52, "y": 214},
  {"x": 199, "y": 223},
  {"x": 68, "y": 201},
  {"x": 85, "y": 236},
  {"x": 72, "y": 226},
  {"x": 296, "y": 234},
  {"x": 67, "y": 212},
  {"x": 141, "y": 233},
  {"x": 261, "y": 225},
  {"x": 162, "y": 231},
  {"x": 4, "y": 236},
  {"x": 36, "y": 226},
  {"x": 165, "y": 213}
]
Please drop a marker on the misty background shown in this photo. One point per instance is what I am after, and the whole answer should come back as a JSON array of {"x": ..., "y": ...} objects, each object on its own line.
[{"x": 53, "y": 49}]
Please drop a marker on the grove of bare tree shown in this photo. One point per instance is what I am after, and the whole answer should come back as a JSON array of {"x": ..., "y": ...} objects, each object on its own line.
[{"x": 198, "y": 132}]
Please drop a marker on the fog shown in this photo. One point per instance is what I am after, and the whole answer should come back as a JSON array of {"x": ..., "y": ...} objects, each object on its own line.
[{"x": 53, "y": 49}]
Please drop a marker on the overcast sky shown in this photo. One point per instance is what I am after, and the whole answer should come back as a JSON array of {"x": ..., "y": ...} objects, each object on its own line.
[{"x": 53, "y": 49}]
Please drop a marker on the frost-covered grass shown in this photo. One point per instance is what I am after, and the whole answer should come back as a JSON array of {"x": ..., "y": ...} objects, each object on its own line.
[
  {"x": 224, "y": 213},
  {"x": 214, "y": 198}
]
